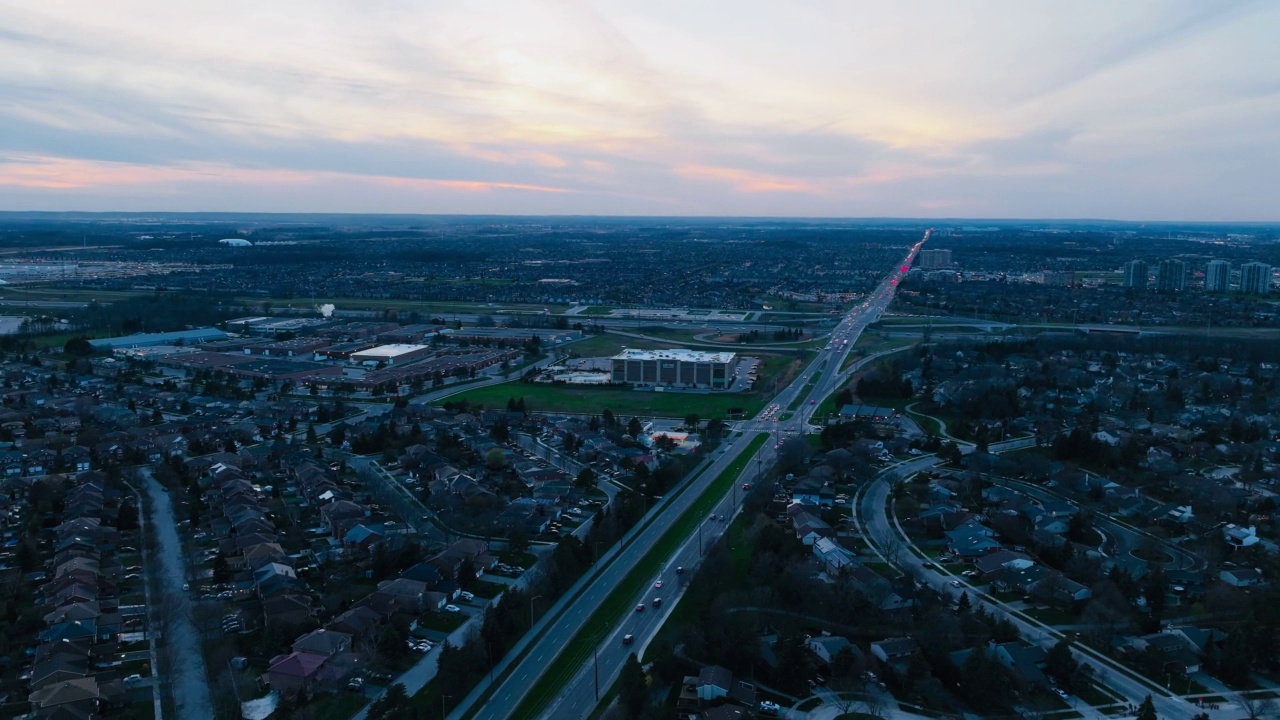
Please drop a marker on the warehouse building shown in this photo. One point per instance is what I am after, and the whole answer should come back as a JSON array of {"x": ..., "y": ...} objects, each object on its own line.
[
  {"x": 391, "y": 354},
  {"x": 675, "y": 368},
  {"x": 180, "y": 337}
]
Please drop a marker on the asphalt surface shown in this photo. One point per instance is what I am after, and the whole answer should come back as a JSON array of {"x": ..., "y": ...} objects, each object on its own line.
[
  {"x": 579, "y": 696},
  {"x": 187, "y": 680},
  {"x": 870, "y": 507}
]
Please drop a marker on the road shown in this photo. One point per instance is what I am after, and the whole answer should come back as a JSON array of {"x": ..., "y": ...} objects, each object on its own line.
[
  {"x": 579, "y": 696},
  {"x": 892, "y": 543},
  {"x": 187, "y": 680}
]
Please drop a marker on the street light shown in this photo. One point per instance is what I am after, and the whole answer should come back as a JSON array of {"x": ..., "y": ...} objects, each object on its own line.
[
  {"x": 535, "y": 597},
  {"x": 444, "y": 714}
]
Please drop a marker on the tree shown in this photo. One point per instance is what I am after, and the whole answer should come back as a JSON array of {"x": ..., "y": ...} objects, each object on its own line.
[
  {"x": 632, "y": 687},
  {"x": 1255, "y": 708},
  {"x": 495, "y": 459},
  {"x": 1147, "y": 710},
  {"x": 586, "y": 478},
  {"x": 1060, "y": 663},
  {"x": 386, "y": 707},
  {"x": 691, "y": 422},
  {"x": 634, "y": 428}
]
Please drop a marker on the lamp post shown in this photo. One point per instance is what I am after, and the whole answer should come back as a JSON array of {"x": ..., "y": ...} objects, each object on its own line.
[
  {"x": 443, "y": 697},
  {"x": 535, "y": 597}
]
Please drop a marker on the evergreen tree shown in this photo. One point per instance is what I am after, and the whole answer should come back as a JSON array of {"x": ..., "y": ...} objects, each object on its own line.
[{"x": 1147, "y": 710}]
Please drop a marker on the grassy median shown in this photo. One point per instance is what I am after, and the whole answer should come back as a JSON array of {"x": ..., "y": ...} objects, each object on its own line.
[{"x": 619, "y": 601}]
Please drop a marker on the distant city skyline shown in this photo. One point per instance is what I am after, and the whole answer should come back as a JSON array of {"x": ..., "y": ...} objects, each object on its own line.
[{"x": 1158, "y": 111}]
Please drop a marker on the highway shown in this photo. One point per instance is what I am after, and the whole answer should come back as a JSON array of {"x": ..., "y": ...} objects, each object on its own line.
[
  {"x": 578, "y": 697},
  {"x": 891, "y": 542}
]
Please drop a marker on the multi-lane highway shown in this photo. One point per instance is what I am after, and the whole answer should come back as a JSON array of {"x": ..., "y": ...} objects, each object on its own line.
[{"x": 578, "y": 697}]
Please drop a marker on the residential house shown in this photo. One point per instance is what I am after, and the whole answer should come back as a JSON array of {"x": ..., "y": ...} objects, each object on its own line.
[
  {"x": 1242, "y": 577},
  {"x": 826, "y": 647}
]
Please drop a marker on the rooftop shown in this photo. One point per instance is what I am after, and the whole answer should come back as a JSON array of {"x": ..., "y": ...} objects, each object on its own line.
[{"x": 679, "y": 354}]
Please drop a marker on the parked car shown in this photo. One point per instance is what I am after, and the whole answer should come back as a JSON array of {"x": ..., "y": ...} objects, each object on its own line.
[
  {"x": 467, "y": 596},
  {"x": 452, "y": 608}
]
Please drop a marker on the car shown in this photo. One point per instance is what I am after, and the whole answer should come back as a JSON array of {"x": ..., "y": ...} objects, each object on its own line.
[
  {"x": 132, "y": 679},
  {"x": 813, "y": 402},
  {"x": 1062, "y": 693},
  {"x": 657, "y": 585},
  {"x": 746, "y": 486},
  {"x": 955, "y": 583},
  {"x": 769, "y": 708},
  {"x": 628, "y": 639},
  {"x": 452, "y": 608},
  {"x": 186, "y": 586},
  {"x": 657, "y": 602},
  {"x": 640, "y": 607},
  {"x": 467, "y": 596},
  {"x": 680, "y": 570}
]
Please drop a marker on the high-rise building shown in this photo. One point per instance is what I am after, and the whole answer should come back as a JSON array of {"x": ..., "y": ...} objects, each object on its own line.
[
  {"x": 935, "y": 259},
  {"x": 1171, "y": 276},
  {"x": 1135, "y": 274},
  {"x": 1217, "y": 277},
  {"x": 1255, "y": 278}
]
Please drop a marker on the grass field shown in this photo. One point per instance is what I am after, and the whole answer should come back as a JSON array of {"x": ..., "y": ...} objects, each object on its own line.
[
  {"x": 605, "y": 345},
  {"x": 619, "y": 600},
  {"x": 587, "y": 399},
  {"x": 596, "y": 310}
]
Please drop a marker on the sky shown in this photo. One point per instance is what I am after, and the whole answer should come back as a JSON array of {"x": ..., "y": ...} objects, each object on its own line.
[{"x": 1087, "y": 109}]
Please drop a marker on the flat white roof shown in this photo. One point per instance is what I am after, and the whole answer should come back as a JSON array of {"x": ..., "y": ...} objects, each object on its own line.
[
  {"x": 676, "y": 354},
  {"x": 388, "y": 351}
]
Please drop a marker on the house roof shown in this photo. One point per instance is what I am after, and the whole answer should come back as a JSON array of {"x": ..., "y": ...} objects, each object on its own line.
[
  {"x": 302, "y": 665},
  {"x": 67, "y": 691},
  {"x": 715, "y": 676}
]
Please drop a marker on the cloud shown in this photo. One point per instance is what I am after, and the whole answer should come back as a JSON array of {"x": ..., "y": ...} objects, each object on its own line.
[{"x": 998, "y": 108}]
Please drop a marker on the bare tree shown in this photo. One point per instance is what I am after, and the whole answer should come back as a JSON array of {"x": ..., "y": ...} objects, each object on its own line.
[{"x": 1256, "y": 708}]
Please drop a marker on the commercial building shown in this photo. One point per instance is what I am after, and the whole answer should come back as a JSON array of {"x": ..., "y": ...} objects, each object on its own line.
[
  {"x": 934, "y": 259},
  {"x": 1217, "y": 277},
  {"x": 180, "y": 337},
  {"x": 1171, "y": 276},
  {"x": 391, "y": 354},
  {"x": 1255, "y": 278},
  {"x": 1059, "y": 278},
  {"x": 675, "y": 368},
  {"x": 1135, "y": 274}
]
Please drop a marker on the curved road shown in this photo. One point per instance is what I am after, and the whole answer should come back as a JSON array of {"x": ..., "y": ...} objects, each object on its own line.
[{"x": 871, "y": 509}]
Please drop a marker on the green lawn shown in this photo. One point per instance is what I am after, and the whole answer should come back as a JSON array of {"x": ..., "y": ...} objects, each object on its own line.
[
  {"x": 608, "y": 345},
  {"x": 624, "y": 401},
  {"x": 596, "y": 310},
  {"x": 619, "y": 600}
]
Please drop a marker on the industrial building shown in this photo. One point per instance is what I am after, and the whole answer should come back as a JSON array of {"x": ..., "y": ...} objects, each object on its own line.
[
  {"x": 1217, "y": 277},
  {"x": 675, "y": 368},
  {"x": 391, "y": 354},
  {"x": 180, "y": 337},
  {"x": 1255, "y": 278}
]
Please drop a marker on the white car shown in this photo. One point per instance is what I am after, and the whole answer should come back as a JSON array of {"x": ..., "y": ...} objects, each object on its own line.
[
  {"x": 467, "y": 596},
  {"x": 132, "y": 679},
  {"x": 452, "y": 608}
]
